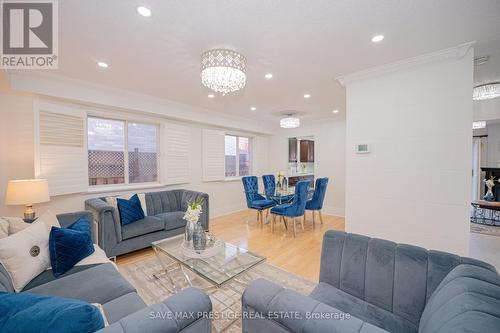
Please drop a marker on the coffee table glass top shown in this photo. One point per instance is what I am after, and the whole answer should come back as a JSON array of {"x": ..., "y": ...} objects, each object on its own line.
[{"x": 228, "y": 262}]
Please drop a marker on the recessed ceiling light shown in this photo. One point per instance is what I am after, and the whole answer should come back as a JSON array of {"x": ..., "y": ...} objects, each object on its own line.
[
  {"x": 144, "y": 11},
  {"x": 335, "y": 111},
  {"x": 268, "y": 76},
  {"x": 307, "y": 95},
  {"x": 253, "y": 108},
  {"x": 211, "y": 95},
  {"x": 377, "y": 38},
  {"x": 102, "y": 64}
]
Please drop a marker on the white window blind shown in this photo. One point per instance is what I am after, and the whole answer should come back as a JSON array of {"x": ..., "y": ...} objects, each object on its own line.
[
  {"x": 213, "y": 155},
  {"x": 176, "y": 157},
  {"x": 60, "y": 147}
]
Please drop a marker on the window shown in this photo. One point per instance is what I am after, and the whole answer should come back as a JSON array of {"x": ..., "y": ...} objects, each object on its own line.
[
  {"x": 108, "y": 140},
  {"x": 142, "y": 157},
  {"x": 238, "y": 158}
]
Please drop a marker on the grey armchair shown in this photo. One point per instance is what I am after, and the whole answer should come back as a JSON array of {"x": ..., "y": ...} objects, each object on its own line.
[
  {"x": 185, "y": 312},
  {"x": 383, "y": 287},
  {"x": 163, "y": 219}
]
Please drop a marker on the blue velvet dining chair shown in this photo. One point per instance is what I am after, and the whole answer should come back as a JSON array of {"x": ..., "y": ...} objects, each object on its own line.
[
  {"x": 254, "y": 199},
  {"x": 316, "y": 202},
  {"x": 294, "y": 209},
  {"x": 270, "y": 190}
]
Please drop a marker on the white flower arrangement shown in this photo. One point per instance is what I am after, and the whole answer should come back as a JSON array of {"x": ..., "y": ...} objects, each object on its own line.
[
  {"x": 490, "y": 182},
  {"x": 193, "y": 211}
]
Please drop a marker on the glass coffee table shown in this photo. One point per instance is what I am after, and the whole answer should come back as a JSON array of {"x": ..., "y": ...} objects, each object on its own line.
[{"x": 229, "y": 263}]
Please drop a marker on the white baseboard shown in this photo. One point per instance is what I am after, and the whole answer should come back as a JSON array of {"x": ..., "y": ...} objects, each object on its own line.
[{"x": 334, "y": 211}]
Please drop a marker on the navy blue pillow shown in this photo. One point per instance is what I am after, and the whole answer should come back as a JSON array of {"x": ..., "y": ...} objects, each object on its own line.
[
  {"x": 32, "y": 313},
  {"x": 67, "y": 246},
  {"x": 130, "y": 210}
]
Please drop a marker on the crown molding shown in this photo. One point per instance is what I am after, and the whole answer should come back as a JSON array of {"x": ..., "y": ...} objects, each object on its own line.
[
  {"x": 452, "y": 53},
  {"x": 97, "y": 95}
]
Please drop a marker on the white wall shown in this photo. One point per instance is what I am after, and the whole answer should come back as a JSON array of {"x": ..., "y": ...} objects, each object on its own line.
[
  {"x": 414, "y": 187},
  {"x": 329, "y": 146},
  {"x": 17, "y": 162}
]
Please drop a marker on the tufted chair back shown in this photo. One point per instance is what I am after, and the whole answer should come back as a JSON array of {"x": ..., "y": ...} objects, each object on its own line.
[
  {"x": 251, "y": 186},
  {"x": 316, "y": 202},
  {"x": 269, "y": 185}
]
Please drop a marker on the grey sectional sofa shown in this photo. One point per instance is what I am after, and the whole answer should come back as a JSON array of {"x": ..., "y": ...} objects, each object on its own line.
[
  {"x": 163, "y": 219},
  {"x": 124, "y": 309},
  {"x": 384, "y": 287}
]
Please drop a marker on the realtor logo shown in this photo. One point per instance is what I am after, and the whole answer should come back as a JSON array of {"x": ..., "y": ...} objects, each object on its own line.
[{"x": 29, "y": 35}]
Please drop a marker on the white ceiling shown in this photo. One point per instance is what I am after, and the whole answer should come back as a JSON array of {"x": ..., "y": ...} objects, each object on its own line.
[{"x": 305, "y": 44}]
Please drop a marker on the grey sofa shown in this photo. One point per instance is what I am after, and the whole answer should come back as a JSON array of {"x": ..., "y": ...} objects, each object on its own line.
[
  {"x": 384, "y": 287},
  {"x": 163, "y": 219},
  {"x": 124, "y": 309}
]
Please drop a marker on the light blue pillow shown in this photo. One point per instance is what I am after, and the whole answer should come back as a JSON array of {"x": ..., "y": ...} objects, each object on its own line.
[
  {"x": 32, "y": 313},
  {"x": 67, "y": 246}
]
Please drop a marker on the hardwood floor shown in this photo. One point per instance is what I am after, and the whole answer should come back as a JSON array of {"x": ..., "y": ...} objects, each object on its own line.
[{"x": 298, "y": 255}]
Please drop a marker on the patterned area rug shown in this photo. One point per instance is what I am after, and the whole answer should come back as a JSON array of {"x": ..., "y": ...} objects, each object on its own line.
[
  {"x": 485, "y": 229},
  {"x": 226, "y": 301}
]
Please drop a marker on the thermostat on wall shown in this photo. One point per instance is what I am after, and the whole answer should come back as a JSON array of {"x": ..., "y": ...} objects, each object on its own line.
[{"x": 363, "y": 148}]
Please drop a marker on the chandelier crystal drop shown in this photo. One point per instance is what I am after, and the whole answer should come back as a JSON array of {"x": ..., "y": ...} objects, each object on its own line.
[
  {"x": 486, "y": 91},
  {"x": 289, "y": 122},
  {"x": 223, "y": 70}
]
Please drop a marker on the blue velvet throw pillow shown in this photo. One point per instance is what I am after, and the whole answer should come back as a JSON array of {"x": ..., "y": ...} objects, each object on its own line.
[
  {"x": 32, "y": 313},
  {"x": 67, "y": 246},
  {"x": 130, "y": 210}
]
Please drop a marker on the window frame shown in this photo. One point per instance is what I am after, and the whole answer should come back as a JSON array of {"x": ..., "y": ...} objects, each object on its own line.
[
  {"x": 250, "y": 154},
  {"x": 126, "y": 184}
]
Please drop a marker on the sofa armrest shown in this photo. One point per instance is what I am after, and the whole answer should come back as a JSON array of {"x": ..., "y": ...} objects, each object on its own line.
[
  {"x": 188, "y": 196},
  {"x": 108, "y": 224},
  {"x": 186, "y": 311},
  {"x": 268, "y": 306},
  {"x": 66, "y": 219}
]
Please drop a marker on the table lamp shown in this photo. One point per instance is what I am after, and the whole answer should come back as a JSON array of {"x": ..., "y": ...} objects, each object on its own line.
[{"x": 27, "y": 192}]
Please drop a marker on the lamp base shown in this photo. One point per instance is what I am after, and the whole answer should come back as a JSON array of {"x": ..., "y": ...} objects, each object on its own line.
[{"x": 29, "y": 214}]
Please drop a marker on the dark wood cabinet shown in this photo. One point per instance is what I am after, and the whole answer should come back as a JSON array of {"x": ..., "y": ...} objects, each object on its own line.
[
  {"x": 307, "y": 151},
  {"x": 292, "y": 180},
  {"x": 292, "y": 150}
]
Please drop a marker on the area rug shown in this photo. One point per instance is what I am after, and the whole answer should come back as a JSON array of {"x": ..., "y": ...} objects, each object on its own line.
[
  {"x": 226, "y": 301},
  {"x": 485, "y": 229}
]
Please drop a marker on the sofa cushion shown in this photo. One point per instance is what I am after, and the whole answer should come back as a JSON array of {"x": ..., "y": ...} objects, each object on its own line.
[
  {"x": 5, "y": 281},
  {"x": 467, "y": 300},
  {"x": 98, "y": 284},
  {"x": 48, "y": 276},
  {"x": 163, "y": 202},
  {"x": 173, "y": 220},
  {"x": 69, "y": 245},
  {"x": 365, "y": 311},
  {"x": 123, "y": 306},
  {"x": 25, "y": 254},
  {"x": 141, "y": 227},
  {"x": 130, "y": 210},
  {"x": 31, "y": 313}
]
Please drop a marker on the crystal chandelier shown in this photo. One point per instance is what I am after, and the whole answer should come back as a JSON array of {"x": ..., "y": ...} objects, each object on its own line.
[
  {"x": 289, "y": 122},
  {"x": 486, "y": 91},
  {"x": 223, "y": 70}
]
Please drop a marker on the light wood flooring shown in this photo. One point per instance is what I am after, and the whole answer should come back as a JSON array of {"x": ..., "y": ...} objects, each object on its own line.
[{"x": 298, "y": 255}]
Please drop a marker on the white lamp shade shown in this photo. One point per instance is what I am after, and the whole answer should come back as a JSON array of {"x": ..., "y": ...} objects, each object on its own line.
[{"x": 27, "y": 191}]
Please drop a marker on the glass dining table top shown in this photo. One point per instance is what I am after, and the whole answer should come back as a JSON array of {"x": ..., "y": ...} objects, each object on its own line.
[{"x": 228, "y": 262}]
